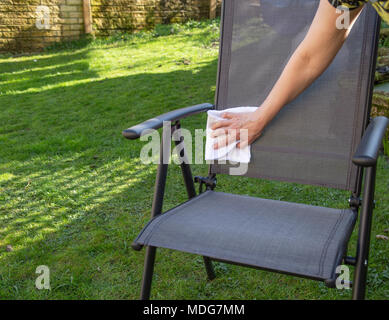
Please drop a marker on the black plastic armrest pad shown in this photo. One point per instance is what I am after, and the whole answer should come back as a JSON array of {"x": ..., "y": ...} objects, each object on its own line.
[
  {"x": 367, "y": 151},
  {"x": 136, "y": 131}
]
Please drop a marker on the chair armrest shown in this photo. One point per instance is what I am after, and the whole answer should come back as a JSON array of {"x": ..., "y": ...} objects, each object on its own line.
[
  {"x": 367, "y": 151},
  {"x": 135, "y": 132}
]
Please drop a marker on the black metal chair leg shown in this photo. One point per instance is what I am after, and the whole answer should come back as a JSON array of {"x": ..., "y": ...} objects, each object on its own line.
[
  {"x": 148, "y": 273},
  {"x": 156, "y": 209},
  {"x": 209, "y": 268},
  {"x": 359, "y": 287},
  {"x": 190, "y": 187}
]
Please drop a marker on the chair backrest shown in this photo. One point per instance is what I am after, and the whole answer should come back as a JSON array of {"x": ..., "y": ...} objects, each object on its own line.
[{"x": 312, "y": 139}]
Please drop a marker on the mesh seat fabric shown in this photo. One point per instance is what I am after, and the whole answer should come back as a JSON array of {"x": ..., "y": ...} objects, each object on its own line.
[{"x": 287, "y": 237}]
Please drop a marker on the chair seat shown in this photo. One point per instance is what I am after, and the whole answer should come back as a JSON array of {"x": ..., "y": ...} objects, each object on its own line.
[{"x": 286, "y": 237}]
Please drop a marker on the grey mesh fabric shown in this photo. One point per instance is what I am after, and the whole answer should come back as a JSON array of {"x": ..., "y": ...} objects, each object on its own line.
[
  {"x": 286, "y": 237},
  {"x": 312, "y": 139}
]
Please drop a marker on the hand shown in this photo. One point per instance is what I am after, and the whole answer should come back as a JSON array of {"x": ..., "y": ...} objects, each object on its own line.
[{"x": 245, "y": 127}]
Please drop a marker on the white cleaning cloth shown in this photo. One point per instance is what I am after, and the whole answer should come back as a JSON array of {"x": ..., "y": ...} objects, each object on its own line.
[{"x": 230, "y": 152}]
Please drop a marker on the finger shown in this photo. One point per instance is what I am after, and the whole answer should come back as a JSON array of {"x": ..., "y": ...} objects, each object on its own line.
[
  {"x": 244, "y": 139},
  {"x": 221, "y": 124},
  {"x": 224, "y": 141},
  {"x": 242, "y": 144},
  {"x": 235, "y": 134},
  {"x": 221, "y": 143},
  {"x": 218, "y": 132},
  {"x": 228, "y": 115}
]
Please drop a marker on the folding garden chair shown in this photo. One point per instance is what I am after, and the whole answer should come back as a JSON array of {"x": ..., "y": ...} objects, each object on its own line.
[{"x": 325, "y": 138}]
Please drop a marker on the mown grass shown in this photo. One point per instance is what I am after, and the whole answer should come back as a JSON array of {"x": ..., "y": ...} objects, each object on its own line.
[{"x": 74, "y": 194}]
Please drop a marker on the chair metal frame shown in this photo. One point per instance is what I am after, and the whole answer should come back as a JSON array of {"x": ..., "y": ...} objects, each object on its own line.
[{"x": 365, "y": 158}]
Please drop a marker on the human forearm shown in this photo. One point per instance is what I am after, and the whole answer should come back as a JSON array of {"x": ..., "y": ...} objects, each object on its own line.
[
  {"x": 315, "y": 53},
  {"x": 300, "y": 72},
  {"x": 313, "y": 56}
]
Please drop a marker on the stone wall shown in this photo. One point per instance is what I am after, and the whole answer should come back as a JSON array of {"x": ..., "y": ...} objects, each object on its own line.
[
  {"x": 30, "y": 25},
  {"x": 129, "y": 15}
]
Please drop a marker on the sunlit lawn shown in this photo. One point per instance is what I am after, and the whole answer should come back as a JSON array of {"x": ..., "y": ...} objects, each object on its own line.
[{"x": 74, "y": 194}]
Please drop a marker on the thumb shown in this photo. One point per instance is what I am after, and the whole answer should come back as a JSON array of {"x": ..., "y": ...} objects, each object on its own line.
[{"x": 242, "y": 144}]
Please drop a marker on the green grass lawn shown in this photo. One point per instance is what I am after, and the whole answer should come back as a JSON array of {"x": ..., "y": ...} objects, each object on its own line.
[{"x": 74, "y": 194}]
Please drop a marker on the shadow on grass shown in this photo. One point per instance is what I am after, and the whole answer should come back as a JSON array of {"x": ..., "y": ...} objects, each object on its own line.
[
  {"x": 77, "y": 194},
  {"x": 45, "y": 60}
]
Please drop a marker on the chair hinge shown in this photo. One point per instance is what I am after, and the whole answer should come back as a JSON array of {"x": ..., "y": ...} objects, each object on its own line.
[
  {"x": 354, "y": 202},
  {"x": 350, "y": 261},
  {"x": 208, "y": 182}
]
